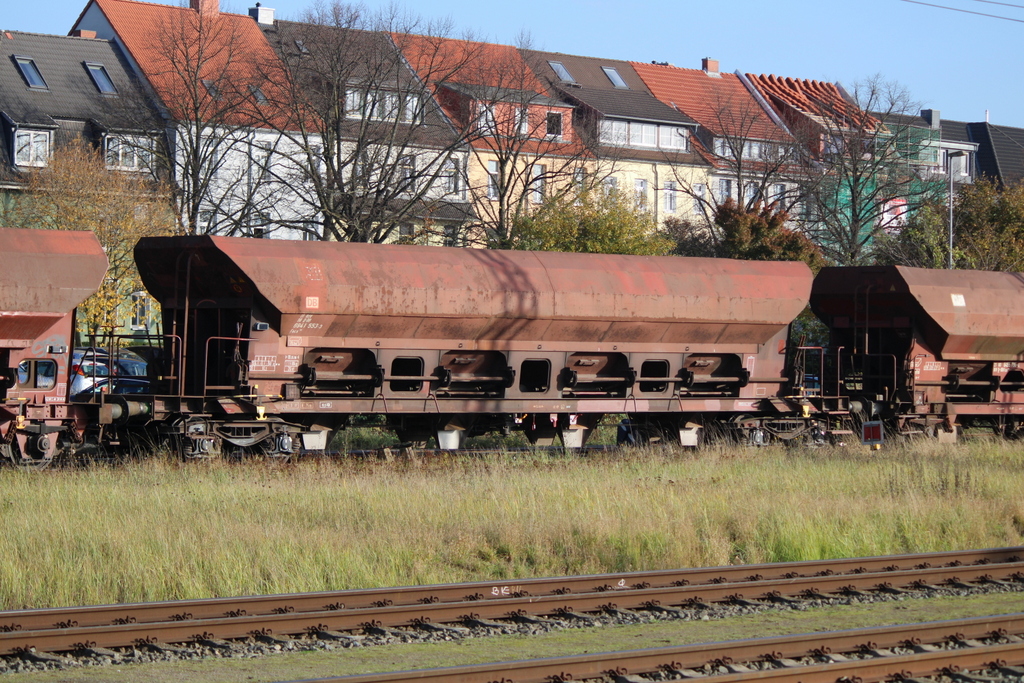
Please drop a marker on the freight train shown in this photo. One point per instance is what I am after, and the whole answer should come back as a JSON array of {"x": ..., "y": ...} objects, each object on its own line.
[{"x": 271, "y": 347}]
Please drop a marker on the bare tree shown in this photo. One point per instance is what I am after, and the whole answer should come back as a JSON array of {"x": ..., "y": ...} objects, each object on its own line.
[
  {"x": 199, "y": 68},
  {"x": 362, "y": 144},
  {"x": 868, "y": 169},
  {"x": 521, "y": 141}
]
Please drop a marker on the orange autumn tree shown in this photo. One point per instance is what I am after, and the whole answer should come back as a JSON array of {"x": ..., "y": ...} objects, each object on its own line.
[{"x": 76, "y": 191}]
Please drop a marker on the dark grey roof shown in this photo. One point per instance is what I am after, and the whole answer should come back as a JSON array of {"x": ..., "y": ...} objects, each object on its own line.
[
  {"x": 71, "y": 93},
  {"x": 591, "y": 87},
  {"x": 955, "y": 131},
  {"x": 1000, "y": 151}
]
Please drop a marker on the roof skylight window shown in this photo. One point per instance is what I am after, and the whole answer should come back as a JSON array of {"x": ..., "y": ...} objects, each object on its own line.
[
  {"x": 303, "y": 50},
  {"x": 257, "y": 94},
  {"x": 562, "y": 73},
  {"x": 212, "y": 89},
  {"x": 30, "y": 72},
  {"x": 101, "y": 78},
  {"x": 613, "y": 75}
]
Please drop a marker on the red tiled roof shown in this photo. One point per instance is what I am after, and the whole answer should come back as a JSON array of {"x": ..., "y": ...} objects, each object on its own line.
[
  {"x": 721, "y": 104},
  {"x": 157, "y": 36},
  {"x": 814, "y": 98},
  {"x": 468, "y": 62}
]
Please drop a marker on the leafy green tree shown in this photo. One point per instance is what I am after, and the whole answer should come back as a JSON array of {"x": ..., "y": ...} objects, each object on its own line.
[
  {"x": 594, "y": 221},
  {"x": 988, "y": 229},
  {"x": 921, "y": 243}
]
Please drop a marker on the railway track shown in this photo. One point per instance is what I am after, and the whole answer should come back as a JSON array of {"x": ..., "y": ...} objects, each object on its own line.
[
  {"x": 994, "y": 645},
  {"x": 71, "y": 629}
]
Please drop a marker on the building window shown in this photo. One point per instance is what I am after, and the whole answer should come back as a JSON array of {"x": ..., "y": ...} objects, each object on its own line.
[
  {"x": 406, "y": 232},
  {"x": 562, "y": 73},
  {"x": 750, "y": 193},
  {"x": 611, "y": 183},
  {"x": 523, "y": 122},
  {"x": 960, "y": 166},
  {"x": 579, "y": 179},
  {"x": 751, "y": 150},
  {"x": 452, "y": 236},
  {"x": 30, "y": 72},
  {"x": 412, "y": 111},
  {"x": 722, "y": 148},
  {"x": 537, "y": 172},
  {"x": 407, "y": 169},
  {"x": 724, "y": 189},
  {"x": 670, "y": 197},
  {"x": 493, "y": 180},
  {"x": 353, "y": 104},
  {"x": 257, "y": 95},
  {"x": 699, "y": 191},
  {"x": 450, "y": 177},
  {"x": 311, "y": 231},
  {"x": 640, "y": 186},
  {"x": 31, "y": 147},
  {"x": 554, "y": 124},
  {"x": 485, "y": 119},
  {"x": 778, "y": 193},
  {"x": 614, "y": 132},
  {"x": 140, "y": 311},
  {"x": 673, "y": 137},
  {"x": 613, "y": 75},
  {"x": 129, "y": 153},
  {"x": 101, "y": 78}
]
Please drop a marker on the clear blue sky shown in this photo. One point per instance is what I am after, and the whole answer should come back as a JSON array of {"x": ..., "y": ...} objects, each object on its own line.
[{"x": 958, "y": 63}]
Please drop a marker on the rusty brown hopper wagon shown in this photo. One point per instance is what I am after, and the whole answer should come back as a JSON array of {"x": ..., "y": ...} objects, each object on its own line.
[
  {"x": 450, "y": 341},
  {"x": 46, "y": 274},
  {"x": 944, "y": 347}
]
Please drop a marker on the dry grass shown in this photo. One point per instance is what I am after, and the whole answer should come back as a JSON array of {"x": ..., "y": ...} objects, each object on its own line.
[{"x": 161, "y": 530}]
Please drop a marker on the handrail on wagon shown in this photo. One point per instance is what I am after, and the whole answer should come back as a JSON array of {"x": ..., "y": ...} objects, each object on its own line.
[{"x": 206, "y": 360}]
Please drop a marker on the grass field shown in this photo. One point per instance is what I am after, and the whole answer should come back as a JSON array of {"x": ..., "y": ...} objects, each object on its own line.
[{"x": 160, "y": 529}]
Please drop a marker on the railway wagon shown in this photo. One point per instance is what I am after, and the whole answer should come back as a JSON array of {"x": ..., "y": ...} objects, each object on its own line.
[
  {"x": 931, "y": 351},
  {"x": 275, "y": 344},
  {"x": 46, "y": 275}
]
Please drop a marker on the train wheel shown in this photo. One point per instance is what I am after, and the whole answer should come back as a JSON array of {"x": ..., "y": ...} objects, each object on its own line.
[{"x": 30, "y": 451}]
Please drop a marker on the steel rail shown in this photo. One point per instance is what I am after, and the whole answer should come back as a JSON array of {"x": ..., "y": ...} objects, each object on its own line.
[
  {"x": 877, "y": 665},
  {"x": 185, "y": 627},
  {"x": 100, "y": 615}
]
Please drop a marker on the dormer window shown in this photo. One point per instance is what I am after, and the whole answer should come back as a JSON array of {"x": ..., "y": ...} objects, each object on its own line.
[
  {"x": 31, "y": 147},
  {"x": 129, "y": 153},
  {"x": 562, "y": 73},
  {"x": 101, "y": 78},
  {"x": 613, "y": 75},
  {"x": 30, "y": 72},
  {"x": 554, "y": 124}
]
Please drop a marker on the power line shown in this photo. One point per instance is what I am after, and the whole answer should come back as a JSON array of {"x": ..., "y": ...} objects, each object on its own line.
[
  {"x": 965, "y": 11},
  {"x": 1004, "y": 4}
]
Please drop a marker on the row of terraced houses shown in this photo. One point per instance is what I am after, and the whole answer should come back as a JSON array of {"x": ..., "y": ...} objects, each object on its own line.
[{"x": 327, "y": 130}]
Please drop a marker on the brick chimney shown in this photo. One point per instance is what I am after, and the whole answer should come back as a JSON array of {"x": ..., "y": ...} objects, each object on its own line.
[
  {"x": 710, "y": 66},
  {"x": 205, "y": 6},
  {"x": 82, "y": 33}
]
